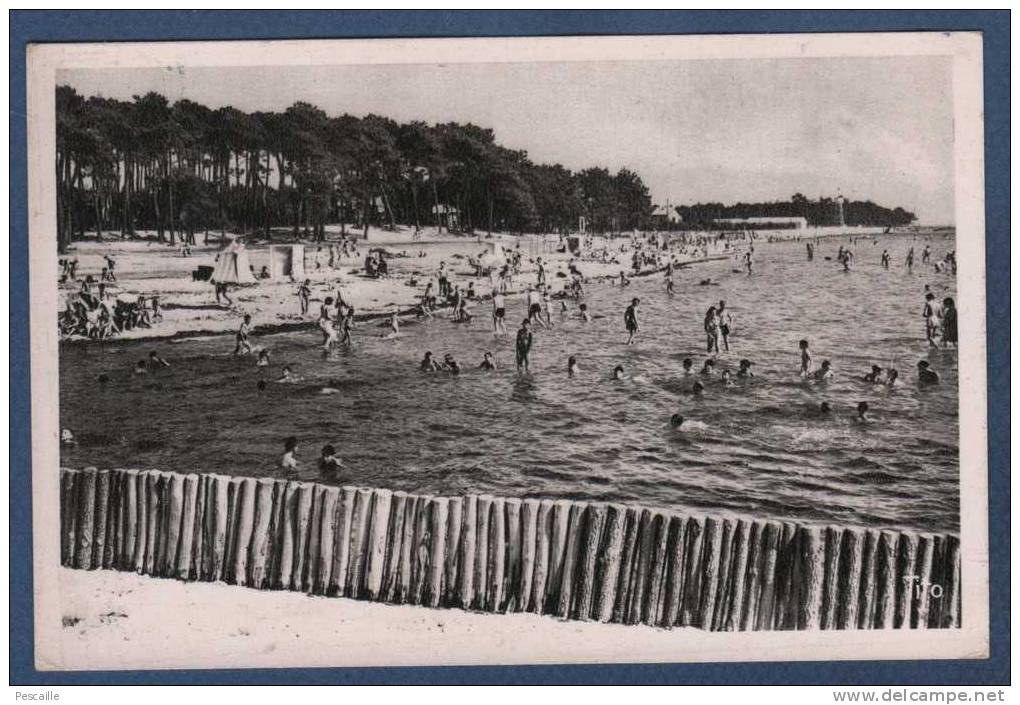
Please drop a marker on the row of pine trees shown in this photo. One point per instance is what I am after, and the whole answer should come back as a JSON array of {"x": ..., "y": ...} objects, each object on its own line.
[{"x": 181, "y": 168}]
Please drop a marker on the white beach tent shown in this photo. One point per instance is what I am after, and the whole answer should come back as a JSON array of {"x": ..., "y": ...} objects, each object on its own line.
[
  {"x": 286, "y": 262},
  {"x": 232, "y": 266},
  {"x": 494, "y": 256}
]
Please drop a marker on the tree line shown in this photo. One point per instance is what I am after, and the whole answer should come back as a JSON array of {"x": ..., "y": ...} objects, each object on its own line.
[
  {"x": 824, "y": 211},
  {"x": 179, "y": 168}
]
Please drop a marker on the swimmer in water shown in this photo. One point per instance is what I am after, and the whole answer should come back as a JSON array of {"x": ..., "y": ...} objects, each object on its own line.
[
  {"x": 428, "y": 363},
  {"x": 688, "y": 367},
  {"x": 676, "y": 421},
  {"x": 572, "y": 368},
  {"x": 585, "y": 316},
  {"x": 745, "y": 370},
  {"x": 242, "y": 336},
  {"x": 708, "y": 369},
  {"x": 727, "y": 379},
  {"x": 288, "y": 461},
  {"x": 862, "y": 412},
  {"x": 155, "y": 361},
  {"x": 824, "y": 409},
  {"x": 286, "y": 375},
  {"x": 698, "y": 389},
  {"x": 824, "y": 373},
  {"x": 618, "y": 372},
  {"x": 329, "y": 463},
  {"x": 488, "y": 362},
  {"x": 261, "y": 386},
  {"x": 875, "y": 376},
  {"x": 805, "y": 359},
  {"x": 926, "y": 375},
  {"x": 263, "y": 360},
  {"x": 451, "y": 365},
  {"x": 891, "y": 380},
  {"x": 631, "y": 321}
]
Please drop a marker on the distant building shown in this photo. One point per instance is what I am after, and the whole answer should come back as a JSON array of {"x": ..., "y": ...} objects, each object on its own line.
[
  {"x": 765, "y": 223},
  {"x": 663, "y": 216},
  {"x": 448, "y": 216}
]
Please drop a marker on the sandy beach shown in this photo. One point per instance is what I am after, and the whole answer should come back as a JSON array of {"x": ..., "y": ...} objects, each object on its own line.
[
  {"x": 148, "y": 267},
  {"x": 116, "y": 620}
]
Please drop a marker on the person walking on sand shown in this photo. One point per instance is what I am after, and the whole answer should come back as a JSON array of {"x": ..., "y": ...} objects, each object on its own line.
[
  {"x": 630, "y": 320},
  {"x": 242, "y": 336},
  {"x": 304, "y": 293},
  {"x": 523, "y": 345},
  {"x": 749, "y": 262},
  {"x": 221, "y": 290}
]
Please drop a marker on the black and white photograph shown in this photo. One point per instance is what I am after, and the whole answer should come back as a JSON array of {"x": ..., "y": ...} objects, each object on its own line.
[{"x": 474, "y": 351}]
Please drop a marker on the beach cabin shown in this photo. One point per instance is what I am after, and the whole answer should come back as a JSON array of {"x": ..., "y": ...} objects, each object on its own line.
[
  {"x": 446, "y": 216},
  {"x": 286, "y": 262}
]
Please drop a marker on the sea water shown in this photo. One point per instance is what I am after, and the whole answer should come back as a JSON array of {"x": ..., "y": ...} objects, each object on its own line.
[{"x": 759, "y": 447}]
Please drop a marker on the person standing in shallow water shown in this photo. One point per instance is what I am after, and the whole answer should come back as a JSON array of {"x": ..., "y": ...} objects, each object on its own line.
[
  {"x": 242, "y": 336},
  {"x": 523, "y": 345},
  {"x": 631, "y": 321},
  {"x": 950, "y": 336},
  {"x": 931, "y": 314},
  {"x": 725, "y": 324},
  {"x": 498, "y": 313},
  {"x": 712, "y": 329}
]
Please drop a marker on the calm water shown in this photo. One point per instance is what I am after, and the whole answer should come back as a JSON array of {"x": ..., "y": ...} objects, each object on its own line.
[{"x": 757, "y": 448}]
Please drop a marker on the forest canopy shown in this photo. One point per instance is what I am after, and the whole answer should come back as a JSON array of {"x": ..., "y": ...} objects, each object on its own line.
[{"x": 177, "y": 168}]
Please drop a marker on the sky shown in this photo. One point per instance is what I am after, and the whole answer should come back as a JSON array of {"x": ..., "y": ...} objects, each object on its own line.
[{"x": 877, "y": 129}]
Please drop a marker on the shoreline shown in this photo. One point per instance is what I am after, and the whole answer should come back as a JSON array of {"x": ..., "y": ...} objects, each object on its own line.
[{"x": 311, "y": 325}]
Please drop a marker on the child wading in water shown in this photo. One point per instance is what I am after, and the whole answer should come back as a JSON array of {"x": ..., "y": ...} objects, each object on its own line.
[
  {"x": 242, "y": 336},
  {"x": 805, "y": 359}
]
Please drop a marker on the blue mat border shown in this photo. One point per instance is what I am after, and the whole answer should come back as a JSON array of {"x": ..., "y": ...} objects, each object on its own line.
[{"x": 65, "y": 26}]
